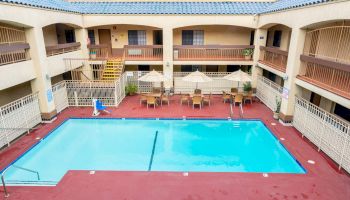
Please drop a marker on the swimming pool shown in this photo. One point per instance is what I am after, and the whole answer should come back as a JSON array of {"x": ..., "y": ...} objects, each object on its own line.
[{"x": 153, "y": 145}]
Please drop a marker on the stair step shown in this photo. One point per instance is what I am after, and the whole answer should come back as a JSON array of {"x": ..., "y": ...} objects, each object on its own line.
[{"x": 112, "y": 69}]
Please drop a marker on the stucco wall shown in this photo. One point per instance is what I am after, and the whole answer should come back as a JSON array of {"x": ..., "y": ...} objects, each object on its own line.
[
  {"x": 119, "y": 34},
  {"x": 16, "y": 73},
  {"x": 220, "y": 35},
  {"x": 285, "y": 38},
  {"x": 13, "y": 93},
  {"x": 50, "y": 35}
]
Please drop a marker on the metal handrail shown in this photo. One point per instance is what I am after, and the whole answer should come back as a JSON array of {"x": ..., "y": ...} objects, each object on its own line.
[
  {"x": 28, "y": 170},
  {"x": 231, "y": 109},
  {"x": 241, "y": 110},
  {"x": 18, "y": 167},
  {"x": 3, "y": 183}
]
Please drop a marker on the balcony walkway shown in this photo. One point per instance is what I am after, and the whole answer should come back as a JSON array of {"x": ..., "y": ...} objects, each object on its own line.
[{"x": 322, "y": 182}]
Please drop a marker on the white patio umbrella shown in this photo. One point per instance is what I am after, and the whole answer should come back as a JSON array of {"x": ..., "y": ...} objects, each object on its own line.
[
  {"x": 238, "y": 76},
  {"x": 197, "y": 77},
  {"x": 153, "y": 76}
]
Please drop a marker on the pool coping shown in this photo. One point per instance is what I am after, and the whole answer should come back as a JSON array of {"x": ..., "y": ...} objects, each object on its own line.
[{"x": 306, "y": 172}]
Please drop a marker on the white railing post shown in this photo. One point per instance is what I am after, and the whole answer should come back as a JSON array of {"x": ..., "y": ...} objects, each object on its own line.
[
  {"x": 115, "y": 94},
  {"x": 4, "y": 128},
  {"x": 120, "y": 88},
  {"x": 346, "y": 142},
  {"x": 90, "y": 83},
  {"x": 25, "y": 119},
  {"x": 76, "y": 98},
  {"x": 322, "y": 132}
]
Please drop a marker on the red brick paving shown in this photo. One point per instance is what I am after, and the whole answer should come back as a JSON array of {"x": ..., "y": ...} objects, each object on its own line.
[{"x": 323, "y": 181}]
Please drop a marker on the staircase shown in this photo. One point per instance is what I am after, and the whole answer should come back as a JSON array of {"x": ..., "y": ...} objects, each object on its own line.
[{"x": 113, "y": 69}]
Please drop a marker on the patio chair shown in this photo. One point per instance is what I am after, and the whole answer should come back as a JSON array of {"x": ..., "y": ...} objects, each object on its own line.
[
  {"x": 164, "y": 98},
  {"x": 156, "y": 90},
  {"x": 143, "y": 98},
  {"x": 197, "y": 100},
  {"x": 151, "y": 101},
  {"x": 238, "y": 99},
  {"x": 185, "y": 98},
  {"x": 206, "y": 99},
  {"x": 225, "y": 96},
  {"x": 234, "y": 90},
  {"x": 197, "y": 91},
  {"x": 249, "y": 97}
]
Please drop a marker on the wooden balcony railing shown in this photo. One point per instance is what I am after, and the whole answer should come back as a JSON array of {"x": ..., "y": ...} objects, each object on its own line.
[
  {"x": 13, "y": 46},
  {"x": 12, "y": 53},
  {"x": 274, "y": 58},
  {"x": 329, "y": 43},
  {"x": 101, "y": 51},
  {"x": 145, "y": 52},
  {"x": 62, "y": 48},
  {"x": 211, "y": 52},
  {"x": 329, "y": 75},
  {"x": 11, "y": 35}
]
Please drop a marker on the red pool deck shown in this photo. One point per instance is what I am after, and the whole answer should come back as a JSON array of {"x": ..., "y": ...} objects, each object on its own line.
[{"x": 323, "y": 180}]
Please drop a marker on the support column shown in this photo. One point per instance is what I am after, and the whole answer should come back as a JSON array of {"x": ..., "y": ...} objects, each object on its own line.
[
  {"x": 260, "y": 38},
  {"x": 81, "y": 35},
  {"x": 168, "y": 66},
  {"x": 293, "y": 66},
  {"x": 42, "y": 83}
]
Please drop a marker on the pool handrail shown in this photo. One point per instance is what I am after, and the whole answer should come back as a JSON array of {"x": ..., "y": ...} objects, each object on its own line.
[
  {"x": 18, "y": 167},
  {"x": 3, "y": 183},
  {"x": 241, "y": 111},
  {"x": 28, "y": 170}
]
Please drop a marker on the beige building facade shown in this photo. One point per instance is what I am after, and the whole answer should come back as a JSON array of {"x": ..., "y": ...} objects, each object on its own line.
[{"x": 288, "y": 44}]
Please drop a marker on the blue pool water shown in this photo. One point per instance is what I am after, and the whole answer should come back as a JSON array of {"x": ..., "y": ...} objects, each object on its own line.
[{"x": 154, "y": 145}]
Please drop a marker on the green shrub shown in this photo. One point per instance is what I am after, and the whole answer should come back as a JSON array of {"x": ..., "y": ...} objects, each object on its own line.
[
  {"x": 248, "y": 52},
  {"x": 131, "y": 89},
  {"x": 247, "y": 87}
]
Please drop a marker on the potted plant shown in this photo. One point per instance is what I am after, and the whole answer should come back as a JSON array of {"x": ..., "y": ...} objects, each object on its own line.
[
  {"x": 247, "y": 53},
  {"x": 278, "y": 108},
  {"x": 131, "y": 89},
  {"x": 247, "y": 87}
]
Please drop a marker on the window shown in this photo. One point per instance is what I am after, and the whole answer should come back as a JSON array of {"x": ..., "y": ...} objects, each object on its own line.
[
  {"x": 187, "y": 37},
  {"x": 157, "y": 37},
  {"x": 232, "y": 68},
  {"x": 252, "y": 35},
  {"x": 190, "y": 68},
  {"x": 196, "y": 67},
  {"x": 277, "y": 39},
  {"x": 91, "y": 35},
  {"x": 186, "y": 68},
  {"x": 342, "y": 112},
  {"x": 190, "y": 37},
  {"x": 70, "y": 36},
  {"x": 137, "y": 37},
  {"x": 198, "y": 37},
  {"x": 143, "y": 68}
]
